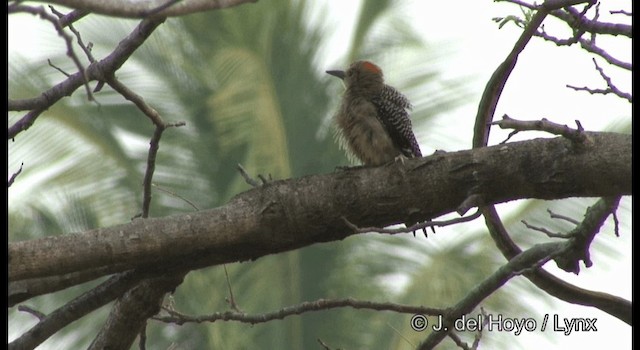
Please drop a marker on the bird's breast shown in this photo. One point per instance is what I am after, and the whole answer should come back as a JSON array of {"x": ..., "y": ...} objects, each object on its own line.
[{"x": 363, "y": 134}]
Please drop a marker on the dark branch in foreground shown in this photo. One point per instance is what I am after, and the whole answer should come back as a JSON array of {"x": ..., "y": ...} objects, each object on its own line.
[
  {"x": 147, "y": 9},
  {"x": 75, "y": 309},
  {"x": 321, "y": 304},
  {"x": 289, "y": 214},
  {"x": 533, "y": 257},
  {"x": 100, "y": 70},
  {"x": 615, "y": 306}
]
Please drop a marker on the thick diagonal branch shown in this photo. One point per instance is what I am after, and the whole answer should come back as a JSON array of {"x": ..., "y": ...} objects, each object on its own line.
[{"x": 294, "y": 213}]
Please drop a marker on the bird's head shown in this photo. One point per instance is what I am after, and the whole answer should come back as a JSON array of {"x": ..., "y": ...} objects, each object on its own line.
[{"x": 361, "y": 77}]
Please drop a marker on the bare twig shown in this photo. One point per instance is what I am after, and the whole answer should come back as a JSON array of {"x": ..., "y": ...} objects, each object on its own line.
[
  {"x": 39, "y": 315},
  {"x": 142, "y": 344},
  {"x": 495, "y": 85},
  {"x": 325, "y": 346},
  {"x": 72, "y": 17},
  {"x": 531, "y": 258},
  {"x": 75, "y": 309},
  {"x": 478, "y": 337},
  {"x": 14, "y": 176},
  {"x": 252, "y": 182},
  {"x": 144, "y": 9},
  {"x": 474, "y": 200},
  {"x": 459, "y": 342},
  {"x": 413, "y": 228},
  {"x": 154, "y": 143},
  {"x": 232, "y": 300},
  {"x": 320, "y": 304},
  {"x": 574, "y": 21},
  {"x": 611, "y": 88},
  {"x": 162, "y": 189},
  {"x": 57, "y": 68},
  {"x": 576, "y": 135},
  {"x": 544, "y": 230},
  {"x": 40, "y": 11},
  {"x": 616, "y": 223},
  {"x": 583, "y": 234},
  {"x": 132, "y": 310},
  {"x": 97, "y": 71},
  {"x": 85, "y": 48},
  {"x": 558, "y": 216},
  {"x": 613, "y": 305},
  {"x": 621, "y": 12}
]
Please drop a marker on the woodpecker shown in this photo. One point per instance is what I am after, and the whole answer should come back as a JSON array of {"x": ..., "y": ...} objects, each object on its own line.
[{"x": 372, "y": 122}]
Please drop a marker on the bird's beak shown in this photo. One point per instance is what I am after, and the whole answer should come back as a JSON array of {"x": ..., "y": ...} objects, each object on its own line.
[{"x": 336, "y": 73}]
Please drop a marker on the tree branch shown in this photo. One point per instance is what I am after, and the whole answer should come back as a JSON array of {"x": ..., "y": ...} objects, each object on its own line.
[
  {"x": 318, "y": 305},
  {"x": 100, "y": 70},
  {"x": 613, "y": 305},
  {"x": 144, "y": 9},
  {"x": 75, "y": 309},
  {"x": 289, "y": 214},
  {"x": 535, "y": 256},
  {"x": 131, "y": 311}
]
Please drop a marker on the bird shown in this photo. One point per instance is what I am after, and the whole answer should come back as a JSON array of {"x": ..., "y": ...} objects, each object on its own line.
[{"x": 372, "y": 121}]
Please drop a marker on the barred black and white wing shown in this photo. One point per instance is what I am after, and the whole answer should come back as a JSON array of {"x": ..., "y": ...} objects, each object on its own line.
[{"x": 392, "y": 109}]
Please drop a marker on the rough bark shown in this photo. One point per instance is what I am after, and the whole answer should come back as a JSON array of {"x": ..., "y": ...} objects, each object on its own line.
[{"x": 289, "y": 214}]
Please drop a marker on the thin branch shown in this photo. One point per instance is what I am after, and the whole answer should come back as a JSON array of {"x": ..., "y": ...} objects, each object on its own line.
[
  {"x": 247, "y": 178},
  {"x": 613, "y": 305},
  {"x": 97, "y": 71},
  {"x": 576, "y": 135},
  {"x": 232, "y": 300},
  {"x": 325, "y": 346},
  {"x": 75, "y": 309},
  {"x": 495, "y": 85},
  {"x": 544, "y": 230},
  {"x": 478, "y": 337},
  {"x": 162, "y": 189},
  {"x": 23, "y": 290},
  {"x": 14, "y": 176},
  {"x": 85, "y": 48},
  {"x": 413, "y": 228},
  {"x": 621, "y": 12},
  {"x": 611, "y": 88},
  {"x": 137, "y": 100},
  {"x": 142, "y": 343},
  {"x": 583, "y": 234},
  {"x": 130, "y": 312},
  {"x": 533, "y": 257},
  {"x": 147, "y": 9},
  {"x": 39, "y": 315},
  {"x": 616, "y": 223},
  {"x": 309, "y": 306},
  {"x": 57, "y": 68},
  {"x": 154, "y": 143},
  {"x": 558, "y": 216},
  {"x": 40, "y": 11},
  {"x": 575, "y": 21},
  {"x": 72, "y": 17},
  {"x": 587, "y": 44},
  {"x": 590, "y": 46}
]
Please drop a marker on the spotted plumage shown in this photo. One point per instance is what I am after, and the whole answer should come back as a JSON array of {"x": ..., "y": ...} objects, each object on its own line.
[{"x": 373, "y": 120}]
